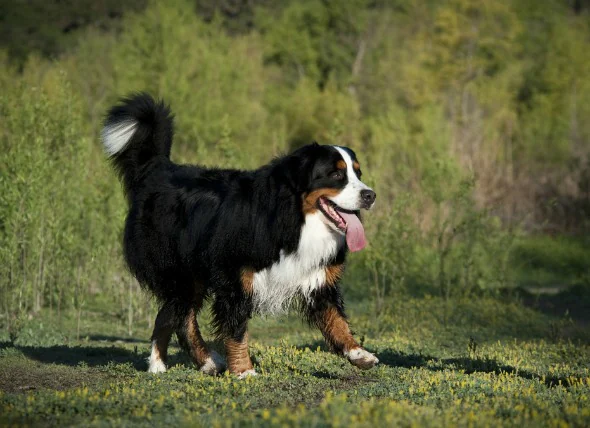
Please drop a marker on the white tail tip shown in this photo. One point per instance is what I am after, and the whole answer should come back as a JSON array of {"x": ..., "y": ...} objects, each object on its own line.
[{"x": 116, "y": 136}]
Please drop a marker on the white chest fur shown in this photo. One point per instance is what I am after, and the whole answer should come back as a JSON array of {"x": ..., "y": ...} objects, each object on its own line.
[{"x": 298, "y": 273}]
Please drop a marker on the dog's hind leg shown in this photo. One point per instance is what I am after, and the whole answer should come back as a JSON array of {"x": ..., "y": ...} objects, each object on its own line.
[
  {"x": 191, "y": 340},
  {"x": 231, "y": 313},
  {"x": 163, "y": 329}
]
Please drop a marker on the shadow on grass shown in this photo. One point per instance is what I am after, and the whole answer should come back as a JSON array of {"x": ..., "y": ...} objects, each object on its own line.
[
  {"x": 573, "y": 301},
  {"x": 401, "y": 359},
  {"x": 468, "y": 365},
  {"x": 99, "y": 356},
  {"x": 92, "y": 356},
  {"x": 115, "y": 339},
  {"x": 488, "y": 365}
]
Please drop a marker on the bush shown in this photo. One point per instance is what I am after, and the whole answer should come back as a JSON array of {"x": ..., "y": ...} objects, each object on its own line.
[{"x": 43, "y": 176}]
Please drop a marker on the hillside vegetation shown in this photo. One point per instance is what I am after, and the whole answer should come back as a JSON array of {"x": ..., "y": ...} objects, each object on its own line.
[{"x": 469, "y": 118}]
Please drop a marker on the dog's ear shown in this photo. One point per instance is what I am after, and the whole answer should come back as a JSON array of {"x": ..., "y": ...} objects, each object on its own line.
[
  {"x": 298, "y": 170},
  {"x": 299, "y": 166}
]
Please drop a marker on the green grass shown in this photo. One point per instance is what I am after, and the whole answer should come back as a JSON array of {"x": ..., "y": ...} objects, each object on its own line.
[
  {"x": 490, "y": 363},
  {"x": 551, "y": 261}
]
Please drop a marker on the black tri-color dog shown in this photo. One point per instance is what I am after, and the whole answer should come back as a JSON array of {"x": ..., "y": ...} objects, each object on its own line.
[{"x": 252, "y": 241}]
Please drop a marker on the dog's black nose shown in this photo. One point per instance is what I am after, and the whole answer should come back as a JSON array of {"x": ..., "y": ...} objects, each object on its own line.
[{"x": 368, "y": 197}]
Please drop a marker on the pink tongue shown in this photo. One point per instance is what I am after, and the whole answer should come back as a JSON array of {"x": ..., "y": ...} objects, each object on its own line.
[{"x": 355, "y": 233}]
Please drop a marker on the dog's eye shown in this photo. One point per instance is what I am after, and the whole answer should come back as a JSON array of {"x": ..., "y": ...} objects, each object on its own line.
[
  {"x": 358, "y": 173},
  {"x": 337, "y": 175}
]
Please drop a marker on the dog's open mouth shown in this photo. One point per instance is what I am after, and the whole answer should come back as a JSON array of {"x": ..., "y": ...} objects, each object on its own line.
[
  {"x": 346, "y": 221},
  {"x": 330, "y": 210}
]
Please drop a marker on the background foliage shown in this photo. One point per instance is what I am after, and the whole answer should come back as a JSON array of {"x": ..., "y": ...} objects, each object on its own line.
[{"x": 469, "y": 117}]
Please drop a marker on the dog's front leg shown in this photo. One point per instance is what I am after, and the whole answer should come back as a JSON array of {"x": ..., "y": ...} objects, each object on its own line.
[
  {"x": 326, "y": 311},
  {"x": 238, "y": 357}
]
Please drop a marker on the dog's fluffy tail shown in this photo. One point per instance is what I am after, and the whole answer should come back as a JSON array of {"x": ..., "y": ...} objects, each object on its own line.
[{"x": 137, "y": 131}]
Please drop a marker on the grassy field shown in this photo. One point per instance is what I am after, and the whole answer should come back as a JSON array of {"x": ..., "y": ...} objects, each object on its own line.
[{"x": 465, "y": 362}]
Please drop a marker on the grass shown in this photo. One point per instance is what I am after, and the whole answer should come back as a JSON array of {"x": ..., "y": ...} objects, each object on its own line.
[
  {"x": 552, "y": 262},
  {"x": 491, "y": 363}
]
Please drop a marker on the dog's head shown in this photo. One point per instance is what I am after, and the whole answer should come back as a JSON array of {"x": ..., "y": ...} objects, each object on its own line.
[{"x": 329, "y": 179}]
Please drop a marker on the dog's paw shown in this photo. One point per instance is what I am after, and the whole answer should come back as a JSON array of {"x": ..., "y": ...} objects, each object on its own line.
[
  {"x": 157, "y": 366},
  {"x": 247, "y": 373},
  {"x": 214, "y": 364},
  {"x": 361, "y": 358}
]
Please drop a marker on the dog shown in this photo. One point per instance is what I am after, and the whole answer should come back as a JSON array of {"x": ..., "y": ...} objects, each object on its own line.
[{"x": 253, "y": 242}]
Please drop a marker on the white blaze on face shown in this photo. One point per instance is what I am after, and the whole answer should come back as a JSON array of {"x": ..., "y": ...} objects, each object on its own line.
[{"x": 349, "y": 198}]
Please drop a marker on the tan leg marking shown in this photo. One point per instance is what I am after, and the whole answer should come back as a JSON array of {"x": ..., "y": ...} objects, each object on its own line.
[
  {"x": 336, "y": 331},
  {"x": 209, "y": 362},
  {"x": 238, "y": 358},
  {"x": 247, "y": 277},
  {"x": 197, "y": 346},
  {"x": 338, "y": 336}
]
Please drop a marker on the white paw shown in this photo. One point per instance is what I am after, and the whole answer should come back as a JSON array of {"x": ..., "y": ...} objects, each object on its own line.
[
  {"x": 361, "y": 358},
  {"x": 156, "y": 366},
  {"x": 213, "y": 364},
  {"x": 247, "y": 373}
]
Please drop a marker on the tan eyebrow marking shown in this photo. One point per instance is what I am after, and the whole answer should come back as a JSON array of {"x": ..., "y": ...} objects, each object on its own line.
[
  {"x": 341, "y": 164},
  {"x": 356, "y": 165}
]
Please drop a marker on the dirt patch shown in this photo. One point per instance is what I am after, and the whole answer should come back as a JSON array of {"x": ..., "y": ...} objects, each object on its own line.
[{"x": 20, "y": 375}]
